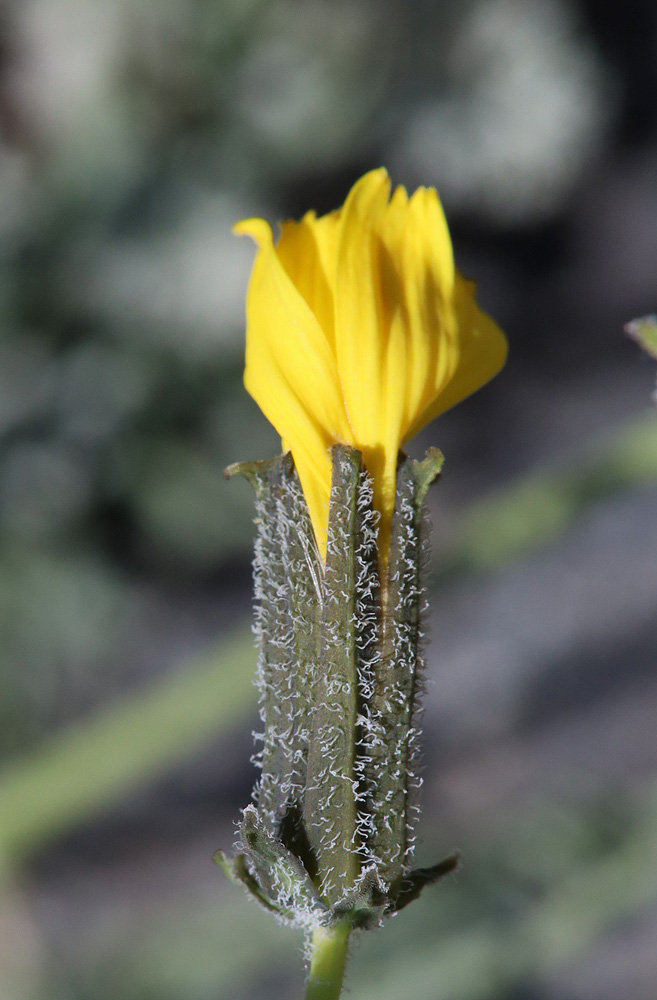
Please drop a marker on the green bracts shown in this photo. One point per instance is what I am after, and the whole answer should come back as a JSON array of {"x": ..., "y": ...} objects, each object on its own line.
[{"x": 330, "y": 836}]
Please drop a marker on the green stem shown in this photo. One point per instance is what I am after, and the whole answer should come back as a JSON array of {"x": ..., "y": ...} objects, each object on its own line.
[{"x": 328, "y": 957}]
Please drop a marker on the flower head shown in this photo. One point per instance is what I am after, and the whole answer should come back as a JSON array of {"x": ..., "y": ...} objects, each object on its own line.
[{"x": 360, "y": 331}]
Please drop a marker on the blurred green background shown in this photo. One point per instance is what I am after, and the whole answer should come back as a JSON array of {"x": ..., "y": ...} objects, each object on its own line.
[{"x": 133, "y": 134}]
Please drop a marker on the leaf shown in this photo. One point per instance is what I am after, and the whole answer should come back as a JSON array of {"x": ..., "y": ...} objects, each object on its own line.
[
  {"x": 412, "y": 884},
  {"x": 644, "y": 331}
]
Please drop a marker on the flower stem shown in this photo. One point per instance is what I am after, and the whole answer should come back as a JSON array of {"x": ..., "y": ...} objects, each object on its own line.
[{"x": 328, "y": 957}]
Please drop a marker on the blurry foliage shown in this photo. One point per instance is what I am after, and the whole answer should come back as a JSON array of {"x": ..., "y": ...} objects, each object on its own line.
[
  {"x": 541, "y": 506},
  {"x": 68, "y": 779},
  {"x": 479, "y": 136},
  {"x": 133, "y": 135}
]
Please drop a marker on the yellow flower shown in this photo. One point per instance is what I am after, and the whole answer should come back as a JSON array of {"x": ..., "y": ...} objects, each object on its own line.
[{"x": 360, "y": 330}]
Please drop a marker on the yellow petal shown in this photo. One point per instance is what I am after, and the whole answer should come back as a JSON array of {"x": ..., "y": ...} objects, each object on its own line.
[
  {"x": 308, "y": 252},
  {"x": 423, "y": 251},
  {"x": 360, "y": 331},
  {"x": 474, "y": 353},
  {"x": 279, "y": 317},
  {"x": 393, "y": 316},
  {"x": 291, "y": 372},
  {"x": 362, "y": 306}
]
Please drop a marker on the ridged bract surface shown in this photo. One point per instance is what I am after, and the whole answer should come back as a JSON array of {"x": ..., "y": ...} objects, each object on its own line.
[{"x": 339, "y": 675}]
